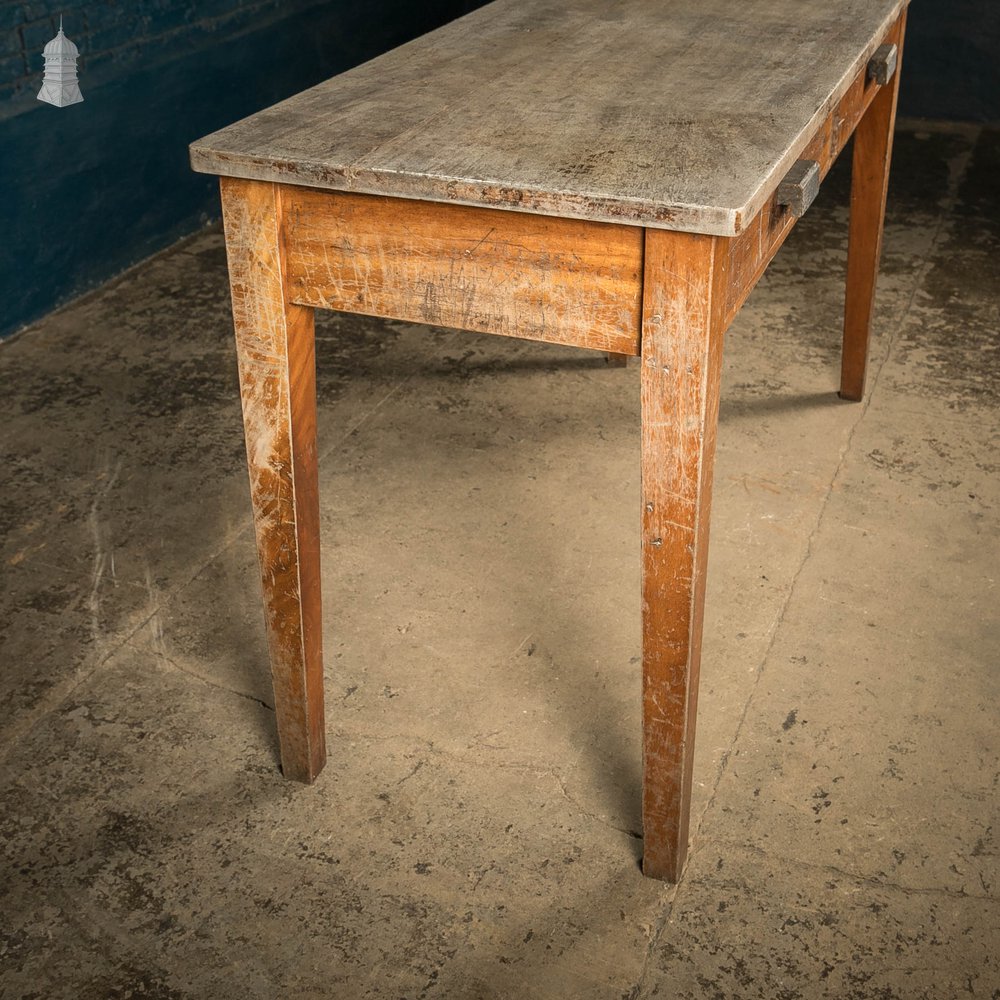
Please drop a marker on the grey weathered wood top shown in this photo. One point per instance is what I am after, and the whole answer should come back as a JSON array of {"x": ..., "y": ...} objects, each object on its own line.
[{"x": 677, "y": 114}]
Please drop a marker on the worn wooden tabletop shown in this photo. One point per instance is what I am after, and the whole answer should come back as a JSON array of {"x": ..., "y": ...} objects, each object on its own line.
[{"x": 674, "y": 114}]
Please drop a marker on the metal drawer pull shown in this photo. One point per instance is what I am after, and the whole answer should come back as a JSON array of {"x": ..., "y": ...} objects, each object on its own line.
[
  {"x": 882, "y": 64},
  {"x": 799, "y": 188}
]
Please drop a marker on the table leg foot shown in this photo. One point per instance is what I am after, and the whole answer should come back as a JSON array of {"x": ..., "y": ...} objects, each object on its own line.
[
  {"x": 277, "y": 366},
  {"x": 682, "y": 333},
  {"x": 869, "y": 182}
]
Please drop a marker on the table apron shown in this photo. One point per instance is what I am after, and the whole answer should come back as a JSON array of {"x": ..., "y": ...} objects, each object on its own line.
[{"x": 565, "y": 281}]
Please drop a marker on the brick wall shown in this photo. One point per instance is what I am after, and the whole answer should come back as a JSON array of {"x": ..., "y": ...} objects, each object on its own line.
[
  {"x": 114, "y": 36},
  {"x": 94, "y": 187}
]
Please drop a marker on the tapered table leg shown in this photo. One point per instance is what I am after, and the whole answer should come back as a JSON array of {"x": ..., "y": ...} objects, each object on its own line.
[
  {"x": 277, "y": 365},
  {"x": 682, "y": 334},
  {"x": 869, "y": 182}
]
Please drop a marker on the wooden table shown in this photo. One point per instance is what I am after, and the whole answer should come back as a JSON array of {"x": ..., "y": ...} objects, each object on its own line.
[{"x": 610, "y": 174}]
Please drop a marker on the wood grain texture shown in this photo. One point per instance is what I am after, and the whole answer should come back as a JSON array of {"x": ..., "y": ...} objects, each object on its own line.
[
  {"x": 869, "y": 184},
  {"x": 565, "y": 281},
  {"x": 751, "y": 251},
  {"x": 277, "y": 366},
  {"x": 682, "y": 333},
  {"x": 681, "y": 116}
]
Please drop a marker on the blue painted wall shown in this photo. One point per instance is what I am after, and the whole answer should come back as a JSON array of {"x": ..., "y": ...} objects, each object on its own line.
[{"x": 90, "y": 189}]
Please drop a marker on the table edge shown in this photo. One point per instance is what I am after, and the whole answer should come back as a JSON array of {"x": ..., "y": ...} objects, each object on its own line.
[{"x": 711, "y": 220}]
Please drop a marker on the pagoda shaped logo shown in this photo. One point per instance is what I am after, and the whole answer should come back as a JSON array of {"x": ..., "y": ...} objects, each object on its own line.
[{"x": 59, "y": 86}]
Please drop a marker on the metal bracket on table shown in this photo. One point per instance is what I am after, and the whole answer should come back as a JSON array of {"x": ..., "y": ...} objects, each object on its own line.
[
  {"x": 799, "y": 188},
  {"x": 882, "y": 64}
]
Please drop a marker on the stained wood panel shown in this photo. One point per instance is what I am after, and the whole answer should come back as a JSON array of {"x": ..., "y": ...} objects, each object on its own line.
[{"x": 566, "y": 281}]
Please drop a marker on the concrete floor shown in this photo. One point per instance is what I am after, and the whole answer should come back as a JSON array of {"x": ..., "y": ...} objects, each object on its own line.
[{"x": 476, "y": 832}]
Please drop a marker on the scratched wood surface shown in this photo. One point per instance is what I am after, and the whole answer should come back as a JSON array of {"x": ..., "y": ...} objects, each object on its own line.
[
  {"x": 566, "y": 281},
  {"x": 683, "y": 323},
  {"x": 677, "y": 115},
  {"x": 275, "y": 348}
]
